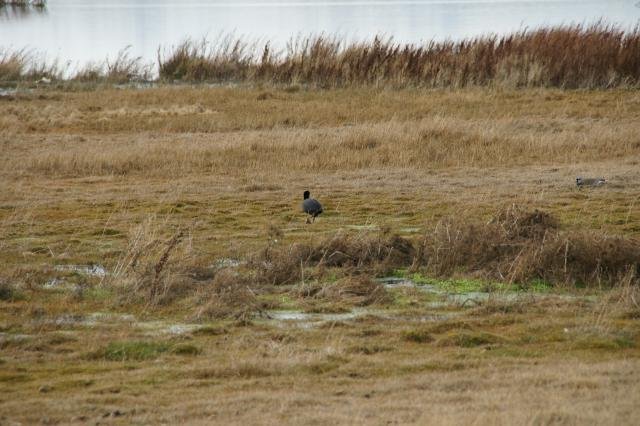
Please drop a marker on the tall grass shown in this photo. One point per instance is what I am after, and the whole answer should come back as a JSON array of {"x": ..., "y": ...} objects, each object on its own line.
[
  {"x": 26, "y": 65},
  {"x": 575, "y": 56},
  {"x": 123, "y": 68},
  {"x": 23, "y": 3}
]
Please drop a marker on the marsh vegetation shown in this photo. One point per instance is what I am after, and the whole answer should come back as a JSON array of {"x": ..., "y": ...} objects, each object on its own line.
[
  {"x": 154, "y": 257},
  {"x": 574, "y": 56}
]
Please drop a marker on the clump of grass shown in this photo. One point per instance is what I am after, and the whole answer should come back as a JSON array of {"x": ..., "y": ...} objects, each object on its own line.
[
  {"x": 7, "y": 290},
  {"x": 597, "y": 55},
  {"x": 417, "y": 336},
  {"x": 358, "y": 290},
  {"x": 226, "y": 58},
  {"x": 210, "y": 331},
  {"x": 521, "y": 246},
  {"x": 185, "y": 349},
  {"x": 469, "y": 339},
  {"x": 228, "y": 296},
  {"x": 374, "y": 253},
  {"x": 24, "y": 64},
  {"x": 124, "y": 68},
  {"x": 246, "y": 370},
  {"x": 135, "y": 350},
  {"x": 369, "y": 349},
  {"x": 151, "y": 269}
]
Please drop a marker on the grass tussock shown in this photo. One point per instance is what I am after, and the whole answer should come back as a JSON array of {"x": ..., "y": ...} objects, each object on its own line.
[
  {"x": 151, "y": 268},
  {"x": 597, "y": 55},
  {"x": 124, "y": 68},
  {"x": 417, "y": 336},
  {"x": 24, "y": 64},
  {"x": 228, "y": 296},
  {"x": 358, "y": 290},
  {"x": 520, "y": 246},
  {"x": 351, "y": 251}
]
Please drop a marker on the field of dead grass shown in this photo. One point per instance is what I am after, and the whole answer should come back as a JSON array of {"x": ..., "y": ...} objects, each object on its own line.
[{"x": 188, "y": 199}]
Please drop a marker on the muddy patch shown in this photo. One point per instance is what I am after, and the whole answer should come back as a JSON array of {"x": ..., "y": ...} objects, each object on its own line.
[
  {"x": 294, "y": 318},
  {"x": 106, "y": 319},
  {"x": 88, "y": 270}
]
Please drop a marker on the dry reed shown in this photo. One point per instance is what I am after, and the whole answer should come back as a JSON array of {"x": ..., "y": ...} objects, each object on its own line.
[
  {"x": 24, "y": 64},
  {"x": 149, "y": 270},
  {"x": 598, "y": 55},
  {"x": 574, "y": 56},
  {"x": 23, "y": 3}
]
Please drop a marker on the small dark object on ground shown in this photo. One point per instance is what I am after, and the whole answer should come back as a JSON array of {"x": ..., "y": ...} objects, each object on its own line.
[{"x": 580, "y": 182}]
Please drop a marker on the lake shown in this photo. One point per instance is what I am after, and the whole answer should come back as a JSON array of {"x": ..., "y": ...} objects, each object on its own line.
[{"x": 80, "y": 31}]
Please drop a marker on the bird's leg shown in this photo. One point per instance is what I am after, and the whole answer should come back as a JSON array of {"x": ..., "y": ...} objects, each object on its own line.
[{"x": 313, "y": 220}]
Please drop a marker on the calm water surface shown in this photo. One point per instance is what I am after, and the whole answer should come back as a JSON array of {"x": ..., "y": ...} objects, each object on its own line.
[{"x": 80, "y": 31}]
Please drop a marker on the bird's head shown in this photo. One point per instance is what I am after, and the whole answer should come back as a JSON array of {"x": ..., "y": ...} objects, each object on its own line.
[{"x": 306, "y": 194}]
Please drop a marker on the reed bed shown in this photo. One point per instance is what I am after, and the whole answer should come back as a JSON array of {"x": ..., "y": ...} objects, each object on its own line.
[
  {"x": 27, "y": 65},
  {"x": 23, "y": 3},
  {"x": 575, "y": 56},
  {"x": 24, "y": 64}
]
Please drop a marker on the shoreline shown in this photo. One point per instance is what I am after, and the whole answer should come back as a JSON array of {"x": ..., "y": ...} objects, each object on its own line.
[{"x": 602, "y": 56}]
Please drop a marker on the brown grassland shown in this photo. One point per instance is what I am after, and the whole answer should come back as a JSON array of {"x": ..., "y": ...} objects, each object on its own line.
[{"x": 189, "y": 196}]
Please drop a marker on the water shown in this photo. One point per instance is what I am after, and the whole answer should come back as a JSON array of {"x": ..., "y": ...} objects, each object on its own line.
[{"x": 82, "y": 31}]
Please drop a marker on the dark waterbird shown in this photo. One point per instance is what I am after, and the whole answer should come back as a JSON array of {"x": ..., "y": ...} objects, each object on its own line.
[{"x": 311, "y": 206}]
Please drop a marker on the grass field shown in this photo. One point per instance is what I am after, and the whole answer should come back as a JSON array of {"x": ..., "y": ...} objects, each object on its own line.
[{"x": 155, "y": 266}]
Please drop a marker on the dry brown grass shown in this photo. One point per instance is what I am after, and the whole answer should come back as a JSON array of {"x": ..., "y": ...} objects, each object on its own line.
[
  {"x": 82, "y": 167},
  {"x": 598, "y": 55},
  {"x": 194, "y": 131},
  {"x": 228, "y": 296},
  {"x": 520, "y": 246},
  {"x": 148, "y": 271},
  {"x": 575, "y": 56},
  {"x": 83, "y": 172},
  {"x": 349, "y": 251},
  {"x": 347, "y": 292},
  {"x": 122, "y": 69},
  {"x": 24, "y": 64}
]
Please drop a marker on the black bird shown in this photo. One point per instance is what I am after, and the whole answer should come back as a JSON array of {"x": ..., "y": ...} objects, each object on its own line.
[{"x": 311, "y": 206}]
